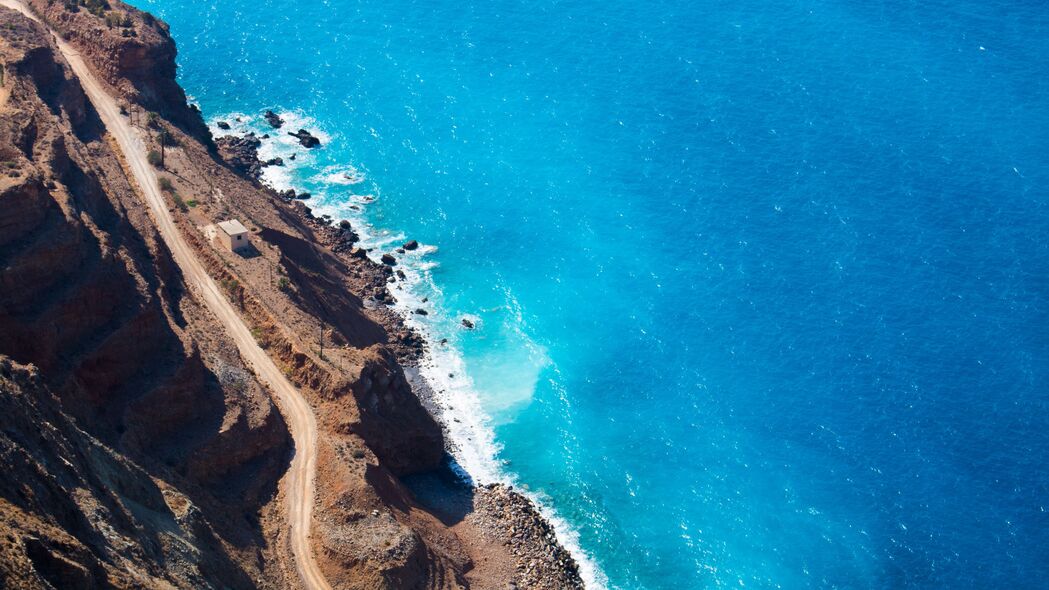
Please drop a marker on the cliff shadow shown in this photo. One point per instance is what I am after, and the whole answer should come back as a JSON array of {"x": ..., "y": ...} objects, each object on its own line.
[{"x": 446, "y": 492}]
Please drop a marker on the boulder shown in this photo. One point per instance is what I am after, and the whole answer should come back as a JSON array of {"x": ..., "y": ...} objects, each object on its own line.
[
  {"x": 241, "y": 153},
  {"x": 306, "y": 139},
  {"x": 273, "y": 119},
  {"x": 222, "y": 125},
  {"x": 468, "y": 324},
  {"x": 388, "y": 259},
  {"x": 411, "y": 245}
]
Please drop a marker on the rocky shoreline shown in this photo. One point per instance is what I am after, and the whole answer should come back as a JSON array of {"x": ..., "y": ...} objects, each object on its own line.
[{"x": 502, "y": 512}]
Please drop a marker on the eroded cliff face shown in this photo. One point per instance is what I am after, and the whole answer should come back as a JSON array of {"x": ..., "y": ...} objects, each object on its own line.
[
  {"x": 129, "y": 49},
  {"x": 133, "y": 397}
]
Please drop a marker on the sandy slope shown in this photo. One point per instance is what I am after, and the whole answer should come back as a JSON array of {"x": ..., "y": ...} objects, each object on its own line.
[{"x": 297, "y": 413}]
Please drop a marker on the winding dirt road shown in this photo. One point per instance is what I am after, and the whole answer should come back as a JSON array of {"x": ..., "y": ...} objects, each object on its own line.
[{"x": 297, "y": 413}]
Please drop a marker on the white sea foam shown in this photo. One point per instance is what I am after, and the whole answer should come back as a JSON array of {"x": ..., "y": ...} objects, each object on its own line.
[
  {"x": 342, "y": 175},
  {"x": 471, "y": 435}
]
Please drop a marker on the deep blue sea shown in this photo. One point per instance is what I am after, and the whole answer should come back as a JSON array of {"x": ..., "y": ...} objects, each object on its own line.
[{"x": 761, "y": 289}]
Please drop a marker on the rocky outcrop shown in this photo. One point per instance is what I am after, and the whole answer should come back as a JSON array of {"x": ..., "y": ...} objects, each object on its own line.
[
  {"x": 306, "y": 139},
  {"x": 129, "y": 49},
  {"x": 273, "y": 119},
  {"x": 241, "y": 153}
]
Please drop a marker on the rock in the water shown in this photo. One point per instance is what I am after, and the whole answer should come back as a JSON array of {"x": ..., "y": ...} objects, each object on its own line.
[
  {"x": 468, "y": 324},
  {"x": 273, "y": 119},
  {"x": 303, "y": 196},
  {"x": 273, "y": 162},
  {"x": 422, "y": 312},
  {"x": 388, "y": 259},
  {"x": 411, "y": 245},
  {"x": 222, "y": 125},
  {"x": 306, "y": 139}
]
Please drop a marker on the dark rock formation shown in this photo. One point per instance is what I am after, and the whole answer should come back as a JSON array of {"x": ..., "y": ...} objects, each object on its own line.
[
  {"x": 306, "y": 139},
  {"x": 411, "y": 245},
  {"x": 273, "y": 119},
  {"x": 388, "y": 259},
  {"x": 241, "y": 153},
  {"x": 222, "y": 125}
]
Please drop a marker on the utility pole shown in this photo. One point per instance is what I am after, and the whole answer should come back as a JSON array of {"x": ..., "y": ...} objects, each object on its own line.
[{"x": 322, "y": 340}]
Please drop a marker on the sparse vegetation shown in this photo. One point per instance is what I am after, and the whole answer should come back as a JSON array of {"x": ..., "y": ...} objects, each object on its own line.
[
  {"x": 179, "y": 202},
  {"x": 165, "y": 184},
  {"x": 154, "y": 159},
  {"x": 192, "y": 203},
  {"x": 230, "y": 285},
  {"x": 284, "y": 284}
]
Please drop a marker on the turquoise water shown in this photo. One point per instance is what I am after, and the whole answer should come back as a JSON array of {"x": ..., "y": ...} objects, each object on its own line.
[{"x": 761, "y": 288}]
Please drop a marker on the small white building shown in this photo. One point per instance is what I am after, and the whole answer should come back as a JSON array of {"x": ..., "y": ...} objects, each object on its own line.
[{"x": 233, "y": 235}]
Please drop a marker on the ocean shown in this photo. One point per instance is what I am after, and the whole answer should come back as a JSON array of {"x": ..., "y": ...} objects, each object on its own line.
[{"x": 760, "y": 290}]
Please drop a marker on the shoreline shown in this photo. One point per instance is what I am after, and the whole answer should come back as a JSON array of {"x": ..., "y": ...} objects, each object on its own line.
[
  {"x": 418, "y": 344},
  {"x": 504, "y": 508}
]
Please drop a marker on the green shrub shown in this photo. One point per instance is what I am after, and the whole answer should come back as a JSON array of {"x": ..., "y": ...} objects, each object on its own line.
[
  {"x": 284, "y": 284},
  {"x": 179, "y": 202},
  {"x": 154, "y": 159},
  {"x": 165, "y": 184}
]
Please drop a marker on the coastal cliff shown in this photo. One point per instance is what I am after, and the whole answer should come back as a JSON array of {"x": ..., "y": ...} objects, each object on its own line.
[
  {"x": 138, "y": 450},
  {"x": 157, "y": 435}
]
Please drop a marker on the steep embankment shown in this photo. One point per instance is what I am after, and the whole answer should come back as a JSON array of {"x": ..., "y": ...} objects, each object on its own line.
[
  {"x": 139, "y": 364},
  {"x": 156, "y": 454}
]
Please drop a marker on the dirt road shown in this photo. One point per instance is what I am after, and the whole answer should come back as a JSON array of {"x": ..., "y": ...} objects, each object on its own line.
[{"x": 297, "y": 413}]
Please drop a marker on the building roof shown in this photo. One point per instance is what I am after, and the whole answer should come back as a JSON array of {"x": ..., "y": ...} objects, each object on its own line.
[{"x": 232, "y": 227}]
